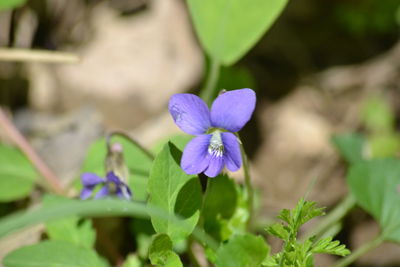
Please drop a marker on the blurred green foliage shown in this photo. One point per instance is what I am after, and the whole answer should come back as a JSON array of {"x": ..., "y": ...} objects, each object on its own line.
[
  {"x": 17, "y": 175},
  {"x": 362, "y": 17},
  {"x": 10, "y": 4}
]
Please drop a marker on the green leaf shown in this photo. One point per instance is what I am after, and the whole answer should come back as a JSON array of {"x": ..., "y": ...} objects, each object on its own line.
[
  {"x": 302, "y": 213},
  {"x": 326, "y": 245},
  {"x": 10, "y": 4},
  {"x": 279, "y": 231},
  {"x": 132, "y": 261},
  {"x": 175, "y": 192},
  {"x": 72, "y": 229},
  {"x": 17, "y": 175},
  {"x": 179, "y": 140},
  {"x": 384, "y": 145},
  {"x": 376, "y": 187},
  {"x": 136, "y": 160},
  {"x": 350, "y": 146},
  {"x": 159, "y": 248},
  {"x": 231, "y": 78},
  {"x": 242, "y": 250},
  {"x": 161, "y": 254},
  {"x": 220, "y": 203},
  {"x": 227, "y": 29},
  {"x": 310, "y": 211},
  {"x": 143, "y": 231},
  {"x": 378, "y": 116},
  {"x": 53, "y": 253},
  {"x": 93, "y": 208}
]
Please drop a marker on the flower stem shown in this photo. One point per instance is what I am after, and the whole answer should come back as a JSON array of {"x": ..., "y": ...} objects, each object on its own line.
[
  {"x": 360, "y": 251},
  {"x": 333, "y": 217},
  {"x": 247, "y": 182},
  {"x": 130, "y": 139},
  {"x": 208, "y": 91},
  {"x": 20, "y": 141}
]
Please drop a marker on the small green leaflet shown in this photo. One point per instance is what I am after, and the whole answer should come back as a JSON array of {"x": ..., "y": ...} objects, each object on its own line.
[{"x": 161, "y": 254}]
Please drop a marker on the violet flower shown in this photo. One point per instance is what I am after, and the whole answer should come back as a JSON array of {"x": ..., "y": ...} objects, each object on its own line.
[
  {"x": 215, "y": 145},
  {"x": 112, "y": 185}
]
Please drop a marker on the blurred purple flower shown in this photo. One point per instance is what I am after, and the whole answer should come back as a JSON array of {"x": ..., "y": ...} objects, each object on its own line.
[
  {"x": 112, "y": 185},
  {"x": 215, "y": 145}
]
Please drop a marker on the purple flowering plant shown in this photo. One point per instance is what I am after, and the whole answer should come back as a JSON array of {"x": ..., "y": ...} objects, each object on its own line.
[
  {"x": 215, "y": 145},
  {"x": 160, "y": 194},
  {"x": 111, "y": 185}
]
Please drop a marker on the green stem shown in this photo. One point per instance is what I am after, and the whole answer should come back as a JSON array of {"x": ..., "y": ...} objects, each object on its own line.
[
  {"x": 247, "y": 182},
  {"x": 208, "y": 91},
  {"x": 130, "y": 139},
  {"x": 333, "y": 217},
  {"x": 360, "y": 251}
]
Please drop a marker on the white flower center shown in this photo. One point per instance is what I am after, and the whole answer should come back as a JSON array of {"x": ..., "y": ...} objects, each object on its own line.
[{"x": 216, "y": 147}]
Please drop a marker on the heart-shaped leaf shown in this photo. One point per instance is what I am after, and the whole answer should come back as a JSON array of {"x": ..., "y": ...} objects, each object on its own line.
[
  {"x": 242, "y": 250},
  {"x": 350, "y": 146},
  {"x": 376, "y": 186},
  {"x": 229, "y": 28},
  {"x": 175, "y": 192}
]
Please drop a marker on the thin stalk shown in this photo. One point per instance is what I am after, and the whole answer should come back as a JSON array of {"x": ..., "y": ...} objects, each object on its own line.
[
  {"x": 208, "y": 91},
  {"x": 191, "y": 254},
  {"x": 130, "y": 139},
  {"x": 20, "y": 141},
  {"x": 360, "y": 251},
  {"x": 333, "y": 217},
  {"x": 247, "y": 182},
  {"x": 18, "y": 54}
]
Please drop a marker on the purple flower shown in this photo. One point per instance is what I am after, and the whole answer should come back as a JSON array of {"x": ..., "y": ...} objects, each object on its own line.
[
  {"x": 215, "y": 145},
  {"x": 111, "y": 185}
]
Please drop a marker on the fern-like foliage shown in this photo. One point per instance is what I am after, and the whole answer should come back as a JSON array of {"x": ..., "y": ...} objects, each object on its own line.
[{"x": 295, "y": 253}]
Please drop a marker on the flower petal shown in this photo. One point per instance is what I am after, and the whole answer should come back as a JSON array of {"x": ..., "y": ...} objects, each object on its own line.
[
  {"x": 124, "y": 192},
  {"x": 215, "y": 167},
  {"x": 232, "y": 155},
  {"x": 195, "y": 157},
  {"x": 91, "y": 179},
  {"x": 233, "y": 109},
  {"x": 103, "y": 192},
  {"x": 86, "y": 192},
  {"x": 190, "y": 113},
  {"x": 112, "y": 178}
]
